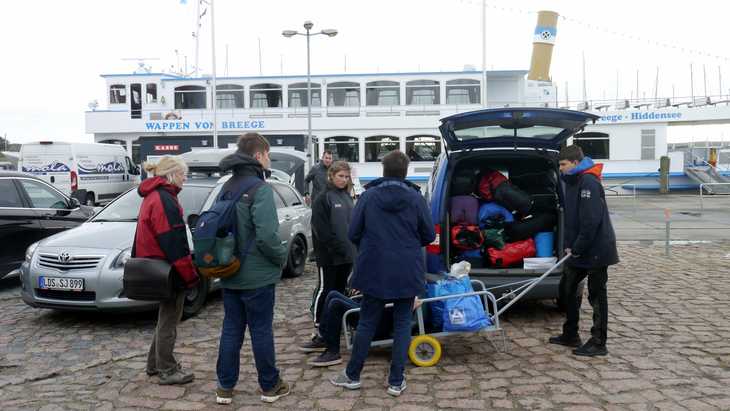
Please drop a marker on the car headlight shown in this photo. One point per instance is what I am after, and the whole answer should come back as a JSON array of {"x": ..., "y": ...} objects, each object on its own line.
[
  {"x": 122, "y": 258},
  {"x": 30, "y": 250}
]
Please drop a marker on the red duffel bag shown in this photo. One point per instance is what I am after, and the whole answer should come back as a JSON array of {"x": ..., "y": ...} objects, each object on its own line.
[
  {"x": 488, "y": 184},
  {"x": 512, "y": 254},
  {"x": 466, "y": 237}
]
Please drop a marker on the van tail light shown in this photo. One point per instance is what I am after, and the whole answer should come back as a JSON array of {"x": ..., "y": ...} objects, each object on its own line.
[
  {"x": 435, "y": 246},
  {"x": 74, "y": 181}
]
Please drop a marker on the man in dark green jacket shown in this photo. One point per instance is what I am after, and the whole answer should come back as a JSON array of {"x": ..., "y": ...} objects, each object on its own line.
[{"x": 248, "y": 296}]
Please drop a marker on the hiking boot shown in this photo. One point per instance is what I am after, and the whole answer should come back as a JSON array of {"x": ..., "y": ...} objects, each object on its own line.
[
  {"x": 561, "y": 339},
  {"x": 223, "y": 396},
  {"x": 397, "y": 390},
  {"x": 591, "y": 349},
  {"x": 342, "y": 380},
  {"x": 317, "y": 344},
  {"x": 176, "y": 377},
  {"x": 325, "y": 359},
  {"x": 281, "y": 389}
]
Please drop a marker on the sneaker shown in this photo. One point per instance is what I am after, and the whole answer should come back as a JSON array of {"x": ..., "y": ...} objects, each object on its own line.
[
  {"x": 325, "y": 359},
  {"x": 317, "y": 344},
  {"x": 591, "y": 349},
  {"x": 397, "y": 390},
  {"x": 342, "y": 380},
  {"x": 223, "y": 396},
  {"x": 281, "y": 389},
  {"x": 566, "y": 341},
  {"x": 176, "y": 377}
]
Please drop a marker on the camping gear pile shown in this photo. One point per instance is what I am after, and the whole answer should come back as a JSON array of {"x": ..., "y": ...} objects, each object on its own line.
[{"x": 494, "y": 224}]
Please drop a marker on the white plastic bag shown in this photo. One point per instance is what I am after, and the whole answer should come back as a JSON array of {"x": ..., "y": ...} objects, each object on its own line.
[{"x": 460, "y": 269}]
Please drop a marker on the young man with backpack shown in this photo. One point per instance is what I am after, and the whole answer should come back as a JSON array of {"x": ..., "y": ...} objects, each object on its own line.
[
  {"x": 590, "y": 239},
  {"x": 248, "y": 294}
]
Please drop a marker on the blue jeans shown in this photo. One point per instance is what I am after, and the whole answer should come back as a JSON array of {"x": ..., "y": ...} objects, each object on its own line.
[
  {"x": 370, "y": 312},
  {"x": 330, "y": 325},
  {"x": 254, "y": 308}
]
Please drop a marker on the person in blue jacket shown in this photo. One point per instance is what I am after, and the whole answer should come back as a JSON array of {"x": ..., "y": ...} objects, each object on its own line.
[
  {"x": 590, "y": 239},
  {"x": 390, "y": 224}
]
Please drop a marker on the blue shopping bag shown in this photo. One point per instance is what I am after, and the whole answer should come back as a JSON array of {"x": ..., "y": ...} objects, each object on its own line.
[{"x": 457, "y": 314}]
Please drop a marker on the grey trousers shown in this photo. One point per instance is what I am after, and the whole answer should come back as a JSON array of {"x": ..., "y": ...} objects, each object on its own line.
[{"x": 160, "y": 357}]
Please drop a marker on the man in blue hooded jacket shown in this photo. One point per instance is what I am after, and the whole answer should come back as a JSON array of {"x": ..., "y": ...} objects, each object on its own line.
[
  {"x": 591, "y": 241},
  {"x": 390, "y": 225}
]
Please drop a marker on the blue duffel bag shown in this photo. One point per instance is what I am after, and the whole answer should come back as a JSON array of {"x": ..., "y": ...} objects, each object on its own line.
[{"x": 457, "y": 314}]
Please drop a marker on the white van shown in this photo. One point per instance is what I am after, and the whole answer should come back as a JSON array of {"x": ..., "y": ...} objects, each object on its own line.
[{"x": 92, "y": 173}]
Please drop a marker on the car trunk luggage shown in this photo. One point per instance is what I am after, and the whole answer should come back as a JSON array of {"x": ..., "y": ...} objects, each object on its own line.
[{"x": 531, "y": 191}]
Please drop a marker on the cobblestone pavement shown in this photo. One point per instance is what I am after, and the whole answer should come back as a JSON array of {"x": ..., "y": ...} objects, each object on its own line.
[{"x": 669, "y": 343}]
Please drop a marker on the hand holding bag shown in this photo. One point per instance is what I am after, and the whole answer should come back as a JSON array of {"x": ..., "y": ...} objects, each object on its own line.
[{"x": 147, "y": 279}]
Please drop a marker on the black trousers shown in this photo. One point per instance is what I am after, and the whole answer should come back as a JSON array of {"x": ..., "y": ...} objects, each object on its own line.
[
  {"x": 597, "y": 296},
  {"x": 331, "y": 278}
]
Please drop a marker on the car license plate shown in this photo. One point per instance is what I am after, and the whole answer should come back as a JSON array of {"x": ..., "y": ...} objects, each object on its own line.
[{"x": 61, "y": 283}]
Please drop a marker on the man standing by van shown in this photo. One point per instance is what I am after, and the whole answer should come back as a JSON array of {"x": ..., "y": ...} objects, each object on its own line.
[
  {"x": 318, "y": 177},
  {"x": 248, "y": 295},
  {"x": 390, "y": 224},
  {"x": 592, "y": 243}
]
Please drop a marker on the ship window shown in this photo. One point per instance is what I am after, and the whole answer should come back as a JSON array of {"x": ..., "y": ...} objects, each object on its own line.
[
  {"x": 265, "y": 95},
  {"x": 343, "y": 148},
  {"x": 422, "y": 92},
  {"x": 229, "y": 96},
  {"x": 117, "y": 94},
  {"x": 298, "y": 95},
  {"x": 343, "y": 94},
  {"x": 423, "y": 148},
  {"x": 382, "y": 93},
  {"x": 151, "y": 93},
  {"x": 594, "y": 145},
  {"x": 378, "y": 146},
  {"x": 648, "y": 144},
  {"x": 190, "y": 97},
  {"x": 463, "y": 91}
]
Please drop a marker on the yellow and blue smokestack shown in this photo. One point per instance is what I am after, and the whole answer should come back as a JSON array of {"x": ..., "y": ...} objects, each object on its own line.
[{"x": 542, "y": 45}]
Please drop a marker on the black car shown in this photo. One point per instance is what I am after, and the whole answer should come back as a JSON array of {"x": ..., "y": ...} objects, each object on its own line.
[{"x": 30, "y": 210}]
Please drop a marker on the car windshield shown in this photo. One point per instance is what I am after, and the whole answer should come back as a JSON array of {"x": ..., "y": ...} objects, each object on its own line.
[
  {"x": 474, "y": 133},
  {"x": 126, "y": 207}
]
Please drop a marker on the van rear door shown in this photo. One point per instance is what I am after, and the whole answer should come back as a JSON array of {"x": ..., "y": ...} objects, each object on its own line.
[
  {"x": 512, "y": 128},
  {"x": 49, "y": 161}
]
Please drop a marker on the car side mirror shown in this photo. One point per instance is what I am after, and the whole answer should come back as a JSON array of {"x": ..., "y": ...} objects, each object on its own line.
[
  {"x": 193, "y": 220},
  {"x": 74, "y": 203}
]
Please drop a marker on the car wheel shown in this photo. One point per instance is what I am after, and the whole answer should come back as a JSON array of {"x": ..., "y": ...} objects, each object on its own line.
[
  {"x": 90, "y": 200},
  {"x": 297, "y": 258},
  {"x": 195, "y": 298}
]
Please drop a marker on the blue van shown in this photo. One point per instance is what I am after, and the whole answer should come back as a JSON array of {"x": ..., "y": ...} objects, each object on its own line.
[{"x": 521, "y": 143}]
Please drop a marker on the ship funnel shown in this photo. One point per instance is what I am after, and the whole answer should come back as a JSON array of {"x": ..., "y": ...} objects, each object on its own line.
[{"x": 542, "y": 45}]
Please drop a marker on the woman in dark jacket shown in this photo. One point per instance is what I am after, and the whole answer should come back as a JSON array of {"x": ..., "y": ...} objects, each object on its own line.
[
  {"x": 161, "y": 234},
  {"x": 335, "y": 253}
]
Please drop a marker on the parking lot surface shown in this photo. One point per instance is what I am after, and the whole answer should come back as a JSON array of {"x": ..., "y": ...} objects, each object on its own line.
[{"x": 669, "y": 343}]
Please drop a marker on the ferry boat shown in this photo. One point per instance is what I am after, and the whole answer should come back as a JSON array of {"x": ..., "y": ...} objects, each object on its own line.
[{"x": 361, "y": 117}]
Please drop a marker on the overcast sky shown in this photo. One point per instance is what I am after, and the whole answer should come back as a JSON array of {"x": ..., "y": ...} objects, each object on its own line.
[{"x": 54, "y": 51}]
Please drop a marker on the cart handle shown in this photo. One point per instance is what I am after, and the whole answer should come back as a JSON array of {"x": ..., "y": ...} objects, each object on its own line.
[{"x": 533, "y": 284}]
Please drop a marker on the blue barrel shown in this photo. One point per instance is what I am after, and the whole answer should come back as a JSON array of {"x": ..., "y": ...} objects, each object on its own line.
[{"x": 544, "y": 244}]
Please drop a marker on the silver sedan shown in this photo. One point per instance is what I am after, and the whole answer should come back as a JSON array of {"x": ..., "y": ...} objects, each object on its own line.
[{"x": 81, "y": 269}]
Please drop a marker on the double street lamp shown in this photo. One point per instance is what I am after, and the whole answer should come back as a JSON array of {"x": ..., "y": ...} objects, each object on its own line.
[{"x": 308, "y": 33}]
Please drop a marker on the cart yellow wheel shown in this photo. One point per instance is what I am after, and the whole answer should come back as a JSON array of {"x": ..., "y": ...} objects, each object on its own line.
[{"x": 425, "y": 351}]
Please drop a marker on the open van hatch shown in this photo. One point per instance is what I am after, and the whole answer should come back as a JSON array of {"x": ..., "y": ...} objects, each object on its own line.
[{"x": 544, "y": 128}]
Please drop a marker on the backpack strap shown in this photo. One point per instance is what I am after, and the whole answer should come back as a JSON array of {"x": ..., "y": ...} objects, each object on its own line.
[{"x": 246, "y": 191}]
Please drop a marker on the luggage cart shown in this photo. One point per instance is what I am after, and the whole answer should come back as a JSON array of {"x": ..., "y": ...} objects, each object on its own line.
[{"x": 425, "y": 348}]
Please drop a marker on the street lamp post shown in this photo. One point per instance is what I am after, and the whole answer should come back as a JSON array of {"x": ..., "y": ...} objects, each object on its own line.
[{"x": 290, "y": 33}]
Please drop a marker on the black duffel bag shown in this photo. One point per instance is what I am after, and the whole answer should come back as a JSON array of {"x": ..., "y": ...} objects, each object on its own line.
[
  {"x": 148, "y": 279},
  {"x": 512, "y": 198},
  {"x": 527, "y": 228}
]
